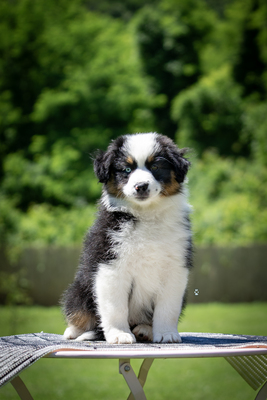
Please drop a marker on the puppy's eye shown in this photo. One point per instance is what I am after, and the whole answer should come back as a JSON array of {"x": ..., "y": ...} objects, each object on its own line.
[
  {"x": 154, "y": 167},
  {"x": 128, "y": 170}
]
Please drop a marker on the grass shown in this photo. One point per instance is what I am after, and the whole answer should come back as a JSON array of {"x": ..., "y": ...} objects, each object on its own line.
[{"x": 187, "y": 379}]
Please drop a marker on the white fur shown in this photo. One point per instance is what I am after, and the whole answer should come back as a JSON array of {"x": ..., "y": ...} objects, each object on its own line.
[
  {"x": 152, "y": 255},
  {"x": 141, "y": 145},
  {"x": 72, "y": 332},
  {"x": 141, "y": 175}
]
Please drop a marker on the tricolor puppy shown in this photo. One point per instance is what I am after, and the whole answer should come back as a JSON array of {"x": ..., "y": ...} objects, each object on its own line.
[{"x": 133, "y": 271}]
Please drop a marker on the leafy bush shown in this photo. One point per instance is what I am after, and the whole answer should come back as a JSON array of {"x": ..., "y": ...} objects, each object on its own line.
[
  {"x": 47, "y": 225},
  {"x": 209, "y": 115},
  {"x": 171, "y": 38},
  {"x": 73, "y": 78},
  {"x": 229, "y": 201},
  {"x": 255, "y": 129},
  {"x": 70, "y": 81}
]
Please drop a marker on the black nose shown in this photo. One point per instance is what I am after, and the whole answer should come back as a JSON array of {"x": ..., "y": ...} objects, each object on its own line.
[{"x": 141, "y": 187}]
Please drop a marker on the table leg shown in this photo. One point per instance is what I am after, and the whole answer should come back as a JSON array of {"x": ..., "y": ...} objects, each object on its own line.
[
  {"x": 135, "y": 384},
  {"x": 21, "y": 389},
  {"x": 262, "y": 394}
]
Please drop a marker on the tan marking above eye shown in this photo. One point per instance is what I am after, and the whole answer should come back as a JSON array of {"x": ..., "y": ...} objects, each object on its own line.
[
  {"x": 150, "y": 159},
  {"x": 129, "y": 160}
]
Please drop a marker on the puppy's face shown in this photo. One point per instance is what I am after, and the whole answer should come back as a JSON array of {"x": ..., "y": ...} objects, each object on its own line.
[{"x": 141, "y": 168}]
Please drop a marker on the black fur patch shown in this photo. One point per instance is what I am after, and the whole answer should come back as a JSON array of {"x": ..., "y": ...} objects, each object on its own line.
[
  {"x": 174, "y": 155},
  {"x": 98, "y": 248},
  {"x": 161, "y": 168},
  {"x": 104, "y": 159}
]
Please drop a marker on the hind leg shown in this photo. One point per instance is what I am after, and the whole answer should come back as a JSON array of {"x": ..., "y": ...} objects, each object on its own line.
[
  {"x": 81, "y": 326},
  {"x": 72, "y": 332},
  {"x": 143, "y": 333}
]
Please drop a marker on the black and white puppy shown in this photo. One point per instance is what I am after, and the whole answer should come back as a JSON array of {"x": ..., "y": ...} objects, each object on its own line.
[{"x": 134, "y": 267}]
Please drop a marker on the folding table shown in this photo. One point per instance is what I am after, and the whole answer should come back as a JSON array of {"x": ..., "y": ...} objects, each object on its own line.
[{"x": 246, "y": 354}]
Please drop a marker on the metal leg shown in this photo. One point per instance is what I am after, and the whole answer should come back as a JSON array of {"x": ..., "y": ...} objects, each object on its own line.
[
  {"x": 135, "y": 384},
  {"x": 262, "y": 394},
  {"x": 21, "y": 389},
  {"x": 143, "y": 372}
]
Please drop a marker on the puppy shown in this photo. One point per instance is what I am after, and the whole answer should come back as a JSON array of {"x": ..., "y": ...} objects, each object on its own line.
[{"x": 133, "y": 272}]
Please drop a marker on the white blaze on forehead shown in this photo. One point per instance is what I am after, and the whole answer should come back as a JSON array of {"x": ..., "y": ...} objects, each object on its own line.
[{"x": 141, "y": 146}]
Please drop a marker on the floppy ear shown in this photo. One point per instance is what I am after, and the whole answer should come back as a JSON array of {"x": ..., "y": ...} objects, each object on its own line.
[
  {"x": 102, "y": 164},
  {"x": 180, "y": 163},
  {"x": 104, "y": 159}
]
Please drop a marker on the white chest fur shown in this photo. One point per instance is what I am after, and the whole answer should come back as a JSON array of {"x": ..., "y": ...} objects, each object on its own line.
[{"x": 149, "y": 275}]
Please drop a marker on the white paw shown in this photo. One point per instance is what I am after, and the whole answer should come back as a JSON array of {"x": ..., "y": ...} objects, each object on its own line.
[
  {"x": 167, "y": 337},
  {"x": 72, "y": 332},
  {"x": 116, "y": 336},
  {"x": 89, "y": 335},
  {"x": 143, "y": 333}
]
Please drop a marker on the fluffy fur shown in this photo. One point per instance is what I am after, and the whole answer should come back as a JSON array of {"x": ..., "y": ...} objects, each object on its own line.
[{"x": 133, "y": 272}]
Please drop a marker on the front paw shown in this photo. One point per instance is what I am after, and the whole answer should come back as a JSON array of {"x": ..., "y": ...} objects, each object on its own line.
[
  {"x": 167, "y": 337},
  {"x": 116, "y": 336}
]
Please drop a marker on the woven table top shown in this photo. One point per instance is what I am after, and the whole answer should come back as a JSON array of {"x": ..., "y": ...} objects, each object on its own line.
[{"x": 21, "y": 351}]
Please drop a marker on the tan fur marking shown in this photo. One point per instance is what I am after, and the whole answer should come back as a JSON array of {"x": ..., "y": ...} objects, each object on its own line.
[
  {"x": 150, "y": 159},
  {"x": 171, "y": 188},
  {"x": 113, "y": 189},
  {"x": 81, "y": 320},
  {"x": 130, "y": 160}
]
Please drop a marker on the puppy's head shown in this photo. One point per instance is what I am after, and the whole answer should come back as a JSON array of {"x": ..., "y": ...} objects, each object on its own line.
[{"x": 141, "y": 167}]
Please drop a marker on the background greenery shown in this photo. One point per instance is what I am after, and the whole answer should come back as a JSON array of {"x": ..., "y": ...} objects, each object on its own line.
[
  {"x": 196, "y": 379},
  {"x": 75, "y": 74}
]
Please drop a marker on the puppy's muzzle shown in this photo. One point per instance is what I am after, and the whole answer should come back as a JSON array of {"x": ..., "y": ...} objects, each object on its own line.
[
  {"x": 141, "y": 187},
  {"x": 142, "y": 190}
]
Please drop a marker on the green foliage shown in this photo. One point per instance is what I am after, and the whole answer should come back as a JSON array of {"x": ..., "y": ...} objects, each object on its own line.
[
  {"x": 9, "y": 219},
  {"x": 250, "y": 62},
  {"x": 255, "y": 129},
  {"x": 209, "y": 115},
  {"x": 49, "y": 177},
  {"x": 170, "y": 39},
  {"x": 69, "y": 85},
  {"x": 74, "y": 75},
  {"x": 229, "y": 201},
  {"x": 54, "y": 225},
  {"x": 118, "y": 9},
  {"x": 14, "y": 288}
]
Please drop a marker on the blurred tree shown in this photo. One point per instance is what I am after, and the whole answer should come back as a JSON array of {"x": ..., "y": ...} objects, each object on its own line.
[
  {"x": 75, "y": 74},
  {"x": 219, "y": 6},
  {"x": 229, "y": 200},
  {"x": 255, "y": 131},
  {"x": 209, "y": 115},
  {"x": 70, "y": 81},
  {"x": 219, "y": 110},
  {"x": 249, "y": 66},
  {"x": 124, "y": 10},
  {"x": 170, "y": 39}
]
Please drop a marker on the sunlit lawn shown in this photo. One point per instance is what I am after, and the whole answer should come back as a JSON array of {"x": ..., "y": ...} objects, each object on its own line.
[{"x": 187, "y": 379}]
